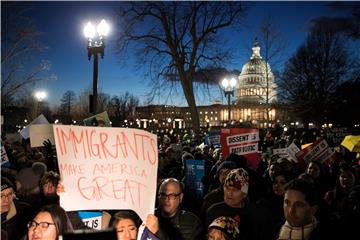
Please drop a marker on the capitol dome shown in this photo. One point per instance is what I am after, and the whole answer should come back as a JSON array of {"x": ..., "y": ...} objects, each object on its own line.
[{"x": 256, "y": 81}]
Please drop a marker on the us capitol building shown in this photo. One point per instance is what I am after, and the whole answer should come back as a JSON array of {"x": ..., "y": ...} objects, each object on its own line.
[{"x": 255, "y": 104}]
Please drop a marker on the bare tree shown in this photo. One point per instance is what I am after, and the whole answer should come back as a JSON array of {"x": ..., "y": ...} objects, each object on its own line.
[
  {"x": 315, "y": 71},
  {"x": 179, "y": 39},
  {"x": 68, "y": 101},
  {"x": 122, "y": 107},
  {"x": 273, "y": 47},
  {"x": 19, "y": 41}
]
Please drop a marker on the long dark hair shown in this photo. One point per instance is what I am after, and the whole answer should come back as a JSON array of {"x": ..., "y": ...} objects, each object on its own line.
[{"x": 59, "y": 216}]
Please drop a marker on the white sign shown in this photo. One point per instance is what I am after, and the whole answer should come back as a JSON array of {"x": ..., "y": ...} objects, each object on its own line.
[
  {"x": 107, "y": 168},
  {"x": 292, "y": 150},
  {"x": 242, "y": 138},
  {"x": 41, "y": 119},
  {"x": 4, "y": 156},
  {"x": 244, "y": 149},
  {"x": 40, "y": 133}
]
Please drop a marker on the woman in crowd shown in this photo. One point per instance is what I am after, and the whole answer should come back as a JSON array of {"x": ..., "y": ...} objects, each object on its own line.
[
  {"x": 50, "y": 222},
  {"x": 127, "y": 223},
  {"x": 345, "y": 181}
]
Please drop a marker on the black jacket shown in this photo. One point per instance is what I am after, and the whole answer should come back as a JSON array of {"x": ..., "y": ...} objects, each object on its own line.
[{"x": 183, "y": 226}]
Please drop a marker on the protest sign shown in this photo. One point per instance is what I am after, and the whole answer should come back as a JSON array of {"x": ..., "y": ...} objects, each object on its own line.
[
  {"x": 214, "y": 137},
  {"x": 101, "y": 119},
  {"x": 91, "y": 219},
  {"x": 241, "y": 141},
  {"x": 107, "y": 168},
  {"x": 40, "y": 133},
  {"x": 41, "y": 119},
  {"x": 281, "y": 152},
  {"x": 335, "y": 135},
  {"x": 318, "y": 151},
  {"x": 194, "y": 173},
  {"x": 4, "y": 157},
  {"x": 292, "y": 150}
]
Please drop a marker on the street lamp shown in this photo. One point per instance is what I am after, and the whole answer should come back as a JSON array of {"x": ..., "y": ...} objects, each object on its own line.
[
  {"x": 40, "y": 96},
  {"x": 228, "y": 87},
  {"x": 95, "y": 47}
]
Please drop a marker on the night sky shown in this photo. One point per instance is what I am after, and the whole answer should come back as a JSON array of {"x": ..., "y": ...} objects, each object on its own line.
[{"x": 61, "y": 25}]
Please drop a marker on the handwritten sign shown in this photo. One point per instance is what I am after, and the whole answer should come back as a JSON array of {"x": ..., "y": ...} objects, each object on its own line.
[
  {"x": 40, "y": 133},
  {"x": 241, "y": 141},
  {"x": 107, "y": 168}
]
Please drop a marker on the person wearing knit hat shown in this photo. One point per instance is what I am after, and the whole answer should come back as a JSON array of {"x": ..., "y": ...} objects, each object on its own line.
[
  {"x": 14, "y": 214},
  {"x": 237, "y": 179},
  {"x": 236, "y": 204},
  {"x": 224, "y": 228}
]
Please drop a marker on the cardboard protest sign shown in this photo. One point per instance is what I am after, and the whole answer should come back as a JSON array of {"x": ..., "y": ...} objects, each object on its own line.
[
  {"x": 194, "y": 173},
  {"x": 97, "y": 120},
  {"x": 40, "y": 133},
  {"x": 41, "y": 119},
  {"x": 107, "y": 168},
  {"x": 241, "y": 141},
  {"x": 318, "y": 151}
]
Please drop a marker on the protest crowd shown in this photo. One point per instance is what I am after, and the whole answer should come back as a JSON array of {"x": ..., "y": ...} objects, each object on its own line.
[{"x": 272, "y": 196}]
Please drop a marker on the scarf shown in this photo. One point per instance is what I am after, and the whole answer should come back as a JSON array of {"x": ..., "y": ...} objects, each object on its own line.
[{"x": 287, "y": 232}]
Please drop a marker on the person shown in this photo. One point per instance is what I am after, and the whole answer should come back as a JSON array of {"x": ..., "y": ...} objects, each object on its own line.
[
  {"x": 48, "y": 185},
  {"x": 127, "y": 223},
  {"x": 49, "y": 223},
  {"x": 176, "y": 223},
  {"x": 344, "y": 182},
  {"x": 14, "y": 214},
  {"x": 223, "y": 228},
  {"x": 236, "y": 203},
  {"x": 300, "y": 206},
  {"x": 217, "y": 195}
]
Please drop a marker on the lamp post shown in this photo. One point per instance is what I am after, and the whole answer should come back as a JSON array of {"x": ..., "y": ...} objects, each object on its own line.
[
  {"x": 228, "y": 87},
  {"x": 95, "y": 47},
  {"x": 40, "y": 96}
]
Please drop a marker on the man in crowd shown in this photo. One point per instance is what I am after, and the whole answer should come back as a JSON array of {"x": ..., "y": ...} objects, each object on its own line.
[
  {"x": 176, "y": 223},
  {"x": 300, "y": 206},
  {"x": 14, "y": 214}
]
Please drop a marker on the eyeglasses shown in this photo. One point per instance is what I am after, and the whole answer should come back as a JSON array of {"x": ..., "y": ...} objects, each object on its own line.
[
  {"x": 171, "y": 196},
  {"x": 43, "y": 225},
  {"x": 7, "y": 196}
]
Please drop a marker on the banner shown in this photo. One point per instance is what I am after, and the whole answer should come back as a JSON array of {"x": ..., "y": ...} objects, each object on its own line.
[
  {"x": 318, "y": 151},
  {"x": 107, "y": 168},
  {"x": 40, "y": 133},
  {"x": 241, "y": 141}
]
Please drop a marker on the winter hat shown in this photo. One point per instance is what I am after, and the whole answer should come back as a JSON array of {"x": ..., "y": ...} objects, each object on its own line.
[
  {"x": 227, "y": 225},
  {"x": 226, "y": 165},
  {"x": 238, "y": 178},
  {"x": 6, "y": 183},
  {"x": 39, "y": 168}
]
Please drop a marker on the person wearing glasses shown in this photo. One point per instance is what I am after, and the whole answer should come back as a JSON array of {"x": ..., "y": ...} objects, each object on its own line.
[
  {"x": 176, "y": 223},
  {"x": 14, "y": 214},
  {"x": 50, "y": 222}
]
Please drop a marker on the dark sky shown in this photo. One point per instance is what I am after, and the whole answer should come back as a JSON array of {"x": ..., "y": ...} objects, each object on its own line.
[{"x": 61, "y": 24}]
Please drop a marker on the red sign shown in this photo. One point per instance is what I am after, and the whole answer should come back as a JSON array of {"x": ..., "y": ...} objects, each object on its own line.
[{"x": 241, "y": 141}]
